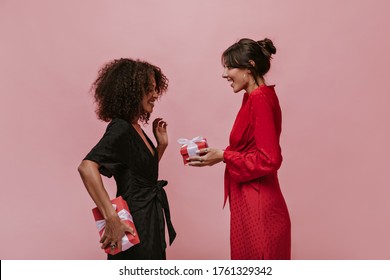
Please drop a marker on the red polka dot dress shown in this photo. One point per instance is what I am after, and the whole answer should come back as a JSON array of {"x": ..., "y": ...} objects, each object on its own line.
[{"x": 260, "y": 225}]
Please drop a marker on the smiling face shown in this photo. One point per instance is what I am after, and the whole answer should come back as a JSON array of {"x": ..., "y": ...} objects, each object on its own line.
[
  {"x": 149, "y": 98},
  {"x": 240, "y": 79}
]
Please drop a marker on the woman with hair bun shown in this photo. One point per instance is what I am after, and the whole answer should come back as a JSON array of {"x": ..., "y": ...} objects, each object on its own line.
[{"x": 260, "y": 225}]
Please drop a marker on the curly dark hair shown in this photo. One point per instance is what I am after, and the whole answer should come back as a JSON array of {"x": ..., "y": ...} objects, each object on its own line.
[{"x": 121, "y": 85}]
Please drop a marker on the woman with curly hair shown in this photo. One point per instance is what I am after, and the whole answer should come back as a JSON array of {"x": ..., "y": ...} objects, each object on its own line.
[
  {"x": 125, "y": 92},
  {"x": 260, "y": 225}
]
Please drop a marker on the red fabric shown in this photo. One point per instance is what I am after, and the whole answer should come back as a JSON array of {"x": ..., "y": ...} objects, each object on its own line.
[{"x": 260, "y": 224}]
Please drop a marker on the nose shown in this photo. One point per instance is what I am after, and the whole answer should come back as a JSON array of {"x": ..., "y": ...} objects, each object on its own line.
[{"x": 224, "y": 73}]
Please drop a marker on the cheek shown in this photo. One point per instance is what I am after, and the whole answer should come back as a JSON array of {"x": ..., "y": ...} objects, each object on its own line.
[
  {"x": 144, "y": 103},
  {"x": 145, "y": 98},
  {"x": 238, "y": 76}
]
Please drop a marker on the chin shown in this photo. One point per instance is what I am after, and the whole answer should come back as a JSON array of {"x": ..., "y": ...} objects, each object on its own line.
[
  {"x": 148, "y": 109},
  {"x": 235, "y": 89}
]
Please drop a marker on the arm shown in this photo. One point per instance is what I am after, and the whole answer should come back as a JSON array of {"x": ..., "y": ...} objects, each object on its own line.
[
  {"x": 266, "y": 157},
  {"x": 115, "y": 229},
  {"x": 161, "y": 135}
]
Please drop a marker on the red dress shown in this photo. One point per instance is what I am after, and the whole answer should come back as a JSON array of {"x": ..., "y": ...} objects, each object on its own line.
[{"x": 260, "y": 225}]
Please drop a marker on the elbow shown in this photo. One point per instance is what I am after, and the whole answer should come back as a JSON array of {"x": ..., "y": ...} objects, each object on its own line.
[
  {"x": 277, "y": 162},
  {"x": 271, "y": 161},
  {"x": 274, "y": 163},
  {"x": 87, "y": 168},
  {"x": 83, "y": 168}
]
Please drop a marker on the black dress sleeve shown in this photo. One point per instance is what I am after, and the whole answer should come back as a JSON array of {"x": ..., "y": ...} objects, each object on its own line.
[{"x": 111, "y": 151}]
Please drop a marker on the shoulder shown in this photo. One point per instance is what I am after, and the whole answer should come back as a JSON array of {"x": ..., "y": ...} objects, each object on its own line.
[
  {"x": 263, "y": 94},
  {"x": 118, "y": 127}
]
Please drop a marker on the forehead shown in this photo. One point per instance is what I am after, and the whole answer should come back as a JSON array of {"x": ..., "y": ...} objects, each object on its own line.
[
  {"x": 229, "y": 61},
  {"x": 224, "y": 61}
]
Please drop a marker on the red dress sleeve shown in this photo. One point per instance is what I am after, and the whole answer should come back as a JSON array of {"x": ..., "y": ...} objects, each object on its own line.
[{"x": 266, "y": 155}]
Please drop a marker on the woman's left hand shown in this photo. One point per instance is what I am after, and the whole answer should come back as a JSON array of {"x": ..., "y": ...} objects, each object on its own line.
[
  {"x": 160, "y": 132},
  {"x": 210, "y": 156}
]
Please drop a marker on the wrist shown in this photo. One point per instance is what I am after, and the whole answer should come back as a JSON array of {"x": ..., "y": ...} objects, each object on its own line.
[
  {"x": 110, "y": 215},
  {"x": 162, "y": 145}
]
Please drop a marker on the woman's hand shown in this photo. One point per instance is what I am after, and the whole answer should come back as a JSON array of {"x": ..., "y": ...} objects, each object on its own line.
[
  {"x": 210, "y": 156},
  {"x": 160, "y": 132},
  {"x": 114, "y": 230},
  {"x": 161, "y": 135}
]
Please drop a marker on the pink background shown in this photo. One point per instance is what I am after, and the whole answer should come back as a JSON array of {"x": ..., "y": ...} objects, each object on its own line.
[{"x": 330, "y": 70}]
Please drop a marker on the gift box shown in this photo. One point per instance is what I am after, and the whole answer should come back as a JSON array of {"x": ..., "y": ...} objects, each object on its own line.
[
  {"x": 121, "y": 207},
  {"x": 189, "y": 147}
]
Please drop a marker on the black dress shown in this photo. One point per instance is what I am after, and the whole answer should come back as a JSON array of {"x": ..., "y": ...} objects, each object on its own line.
[{"x": 123, "y": 154}]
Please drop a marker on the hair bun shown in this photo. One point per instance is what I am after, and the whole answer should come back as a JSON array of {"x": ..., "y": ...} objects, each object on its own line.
[{"x": 268, "y": 46}]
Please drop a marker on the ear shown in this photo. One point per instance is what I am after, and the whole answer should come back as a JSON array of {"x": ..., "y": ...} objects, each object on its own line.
[{"x": 251, "y": 62}]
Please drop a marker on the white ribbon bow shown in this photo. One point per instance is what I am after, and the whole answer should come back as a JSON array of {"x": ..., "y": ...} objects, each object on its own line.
[{"x": 191, "y": 144}]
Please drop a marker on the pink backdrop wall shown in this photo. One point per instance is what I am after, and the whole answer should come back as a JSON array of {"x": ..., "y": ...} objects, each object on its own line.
[{"x": 331, "y": 70}]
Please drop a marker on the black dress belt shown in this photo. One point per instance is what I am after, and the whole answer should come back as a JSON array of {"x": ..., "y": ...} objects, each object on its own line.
[
  {"x": 163, "y": 199},
  {"x": 145, "y": 192}
]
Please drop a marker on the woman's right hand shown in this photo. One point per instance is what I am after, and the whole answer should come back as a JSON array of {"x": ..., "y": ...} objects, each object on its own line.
[
  {"x": 210, "y": 157},
  {"x": 114, "y": 231}
]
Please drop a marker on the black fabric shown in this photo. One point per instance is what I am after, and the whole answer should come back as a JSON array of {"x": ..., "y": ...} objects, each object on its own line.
[{"x": 123, "y": 154}]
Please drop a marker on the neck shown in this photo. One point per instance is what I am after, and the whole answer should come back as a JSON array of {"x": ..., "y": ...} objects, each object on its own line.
[
  {"x": 255, "y": 84},
  {"x": 136, "y": 125}
]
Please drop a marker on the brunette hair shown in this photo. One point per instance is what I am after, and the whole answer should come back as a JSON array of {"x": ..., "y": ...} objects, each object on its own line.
[
  {"x": 121, "y": 85},
  {"x": 242, "y": 52}
]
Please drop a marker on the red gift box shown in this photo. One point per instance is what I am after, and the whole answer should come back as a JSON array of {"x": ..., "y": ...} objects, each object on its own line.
[
  {"x": 121, "y": 207},
  {"x": 189, "y": 147}
]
